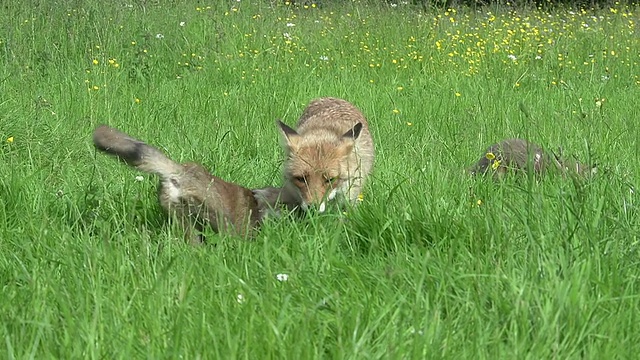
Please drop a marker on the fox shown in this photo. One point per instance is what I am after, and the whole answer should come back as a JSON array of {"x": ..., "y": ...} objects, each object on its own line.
[
  {"x": 193, "y": 196},
  {"x": 519, "y": 155},
  {"x": 329, "y": 155}
]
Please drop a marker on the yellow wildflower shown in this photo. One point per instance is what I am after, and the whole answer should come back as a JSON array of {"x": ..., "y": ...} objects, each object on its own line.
[
  {"x": 95, "y": 62},
  {"x": 10, "y": 139},
  {"x": 495, "y": 165},
  {"x": 490, "y": 156},
  {"x": 361, "y": 198}
]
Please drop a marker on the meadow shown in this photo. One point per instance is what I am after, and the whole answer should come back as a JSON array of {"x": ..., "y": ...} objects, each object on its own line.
[{"x": 431, "y": 264}]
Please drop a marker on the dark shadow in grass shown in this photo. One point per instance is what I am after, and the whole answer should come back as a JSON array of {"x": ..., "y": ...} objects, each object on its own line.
[
  {"x": 403, "y": 220},
  {"x": 110, "y": 211}
]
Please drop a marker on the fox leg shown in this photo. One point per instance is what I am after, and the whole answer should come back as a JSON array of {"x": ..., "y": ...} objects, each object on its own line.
[{"x": 191, "y": 231}]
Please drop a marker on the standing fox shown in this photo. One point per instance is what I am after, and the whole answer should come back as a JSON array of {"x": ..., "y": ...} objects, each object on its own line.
[
  {"x": 330, "y": 153},
  {"x": 522, "y": 155},
  {"x": 191, "y": 194}
]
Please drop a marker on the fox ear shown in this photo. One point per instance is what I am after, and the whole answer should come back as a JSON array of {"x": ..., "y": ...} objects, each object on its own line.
[
  {"x": 354, "y": 132},
  {"x": 290, "y": 135}
]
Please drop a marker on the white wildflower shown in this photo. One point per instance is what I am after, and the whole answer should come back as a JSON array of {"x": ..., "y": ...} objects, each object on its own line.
[
  {"x": 182, "y": 23},
  {"x": 512, "y": 57},
  {"x": 159, "y": 36},
  {"x": 240, "y": 299},
  {"x": 139, "y": 178},
  {"x": 282, "y": 277},
  {"x": 291, "y": 24},
  {"x": 324, "y": 58}
]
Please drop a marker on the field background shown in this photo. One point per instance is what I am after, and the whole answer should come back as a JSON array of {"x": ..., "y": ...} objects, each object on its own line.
[{"x": 433, "y": 264}]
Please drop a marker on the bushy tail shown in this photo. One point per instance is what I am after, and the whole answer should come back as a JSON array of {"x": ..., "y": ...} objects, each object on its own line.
[{"x": 134, "y": 152}]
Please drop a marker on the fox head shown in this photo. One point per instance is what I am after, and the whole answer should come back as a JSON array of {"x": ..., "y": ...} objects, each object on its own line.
[
  {"x": 317, "y": 164},
  {"x": 573, "y": 165}
]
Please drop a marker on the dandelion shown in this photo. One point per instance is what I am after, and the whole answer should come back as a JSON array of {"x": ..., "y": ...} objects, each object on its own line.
[
  {"x": 495, "y": 165},
  {"x": 490, "y": 156},
  {"x": 282, "y": 277},
  {"x": 137, "y": 101},
  {"x": 360, "y": 197},
  {"x": 479, "y": 202},
  {"x": 396, "y": 111},
  {"x": 409, "y": 123},
  {"x": 458, "y": 94},
  {"x": 95, "y": 87},
  {"x": 10, "y": 139},
  {"x": 399, "y": 88},
  {"x": 139, "y": 178},
  {"x": 95, "y": 62}
]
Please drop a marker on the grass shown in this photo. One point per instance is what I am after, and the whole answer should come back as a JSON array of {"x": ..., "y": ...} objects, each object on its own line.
[{"x": 431, "y": 265}]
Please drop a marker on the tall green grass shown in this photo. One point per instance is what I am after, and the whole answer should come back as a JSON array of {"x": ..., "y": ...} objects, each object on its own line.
[{"x": 432, "y": 264}]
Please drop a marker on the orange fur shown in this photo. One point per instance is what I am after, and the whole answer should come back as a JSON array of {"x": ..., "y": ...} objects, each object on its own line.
[
  {"x": 193, "y": 196},
  {"x": 330, "y": 154}
]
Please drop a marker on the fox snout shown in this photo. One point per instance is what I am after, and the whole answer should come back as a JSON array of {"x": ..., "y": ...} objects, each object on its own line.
[{"x": 316, "y": 192}]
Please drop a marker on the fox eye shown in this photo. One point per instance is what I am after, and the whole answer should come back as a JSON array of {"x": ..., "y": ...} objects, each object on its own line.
[
  {"x": 299, "y": 179},
  {"x": 331, "y": 180}
]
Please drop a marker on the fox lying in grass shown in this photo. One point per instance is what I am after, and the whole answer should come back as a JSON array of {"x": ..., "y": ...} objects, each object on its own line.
[
  {"x": 520, "y": 155},
  {"x": 329, "y": 155},
  {"x": 191, "y": 194}
]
